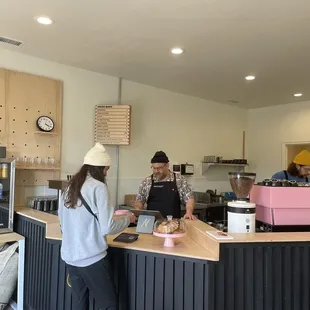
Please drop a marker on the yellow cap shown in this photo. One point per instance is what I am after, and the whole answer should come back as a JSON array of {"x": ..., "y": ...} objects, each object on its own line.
[{"x": 302, "y": 158}]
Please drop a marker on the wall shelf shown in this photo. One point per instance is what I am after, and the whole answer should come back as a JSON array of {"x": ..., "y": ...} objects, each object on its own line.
[
  {"x": 37, "y": 168},
  {"x": 206, "y": 166},
  {"x": 46, "y": 133}
]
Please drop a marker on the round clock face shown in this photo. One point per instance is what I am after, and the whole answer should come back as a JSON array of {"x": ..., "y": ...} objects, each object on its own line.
[{"x": 45, "y": 123}]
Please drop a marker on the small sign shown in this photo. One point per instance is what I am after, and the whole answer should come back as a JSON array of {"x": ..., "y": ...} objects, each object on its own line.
[
  {"x": 145, "y": 224},
  {"x": 219, "y": 235}
]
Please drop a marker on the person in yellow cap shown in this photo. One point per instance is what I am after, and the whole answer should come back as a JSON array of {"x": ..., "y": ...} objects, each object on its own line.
[{"x": 298, "y": 170}]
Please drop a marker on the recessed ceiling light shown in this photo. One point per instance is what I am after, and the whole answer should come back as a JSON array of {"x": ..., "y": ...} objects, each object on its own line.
[
  {"x": 44, "y": 20},
  {"x": 177, "y": 51},
  {"x": 298, "y": 95},
  {"x": 250, "y": 77}
]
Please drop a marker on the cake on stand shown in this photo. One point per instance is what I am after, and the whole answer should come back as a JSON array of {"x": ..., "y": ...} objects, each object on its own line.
[{"x": 169, "y": 229}]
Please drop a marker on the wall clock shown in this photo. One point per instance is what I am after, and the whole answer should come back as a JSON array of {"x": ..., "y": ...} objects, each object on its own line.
[{"x": 45, "y": 123}]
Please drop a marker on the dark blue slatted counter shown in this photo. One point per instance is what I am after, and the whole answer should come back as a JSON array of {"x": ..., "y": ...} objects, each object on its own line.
[{"x": 248, "y": 276}]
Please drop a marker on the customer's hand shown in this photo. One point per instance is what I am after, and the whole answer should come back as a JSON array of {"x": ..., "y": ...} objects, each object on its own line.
[{"x": 133, "y": 218}]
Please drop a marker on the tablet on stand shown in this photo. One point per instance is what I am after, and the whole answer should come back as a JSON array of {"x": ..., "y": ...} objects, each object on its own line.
[{"x": 146, "y": 220}]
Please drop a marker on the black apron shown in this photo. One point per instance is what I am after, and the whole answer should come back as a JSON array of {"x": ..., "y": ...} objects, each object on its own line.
[
  {"x": 164, "y": 197},
  {"x": 286, "y": 176}
]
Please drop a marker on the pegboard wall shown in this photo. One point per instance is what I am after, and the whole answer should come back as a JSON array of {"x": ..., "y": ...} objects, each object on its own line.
[{"x": 23, "y": 98}]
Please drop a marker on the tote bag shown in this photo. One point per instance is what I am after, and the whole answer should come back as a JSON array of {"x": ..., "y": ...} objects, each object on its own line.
[{"x": 8, "y": 273}]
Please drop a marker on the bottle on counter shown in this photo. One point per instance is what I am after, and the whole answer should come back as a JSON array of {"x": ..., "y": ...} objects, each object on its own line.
[
  {"x": 5, "y": 171},
  {"x": 1, "y": 191}
]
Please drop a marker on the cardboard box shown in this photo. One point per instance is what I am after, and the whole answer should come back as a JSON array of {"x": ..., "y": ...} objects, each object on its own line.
[{"x": 129, "y": 200}]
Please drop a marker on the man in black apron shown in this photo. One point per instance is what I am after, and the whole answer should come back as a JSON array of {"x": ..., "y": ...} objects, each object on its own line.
[{"x": 164, "y": 191}]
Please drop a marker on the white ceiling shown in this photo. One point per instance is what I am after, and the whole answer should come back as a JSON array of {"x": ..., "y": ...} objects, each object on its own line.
[{"x": 225, "y": 40}]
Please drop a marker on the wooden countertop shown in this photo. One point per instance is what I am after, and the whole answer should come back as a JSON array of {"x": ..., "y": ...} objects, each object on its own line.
[
  {"x": 269, "y": 237},
  {"x": 10, "y": 237},
  {"x": 197, "y": 244},
  {"x": 185, "y": 247},
  {"x": 39, "y": 216}
]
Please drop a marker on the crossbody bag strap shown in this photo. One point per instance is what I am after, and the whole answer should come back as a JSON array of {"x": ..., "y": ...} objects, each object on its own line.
[
  {"x": 88, "y": 207},
  {"x": 286, "y": 174}
]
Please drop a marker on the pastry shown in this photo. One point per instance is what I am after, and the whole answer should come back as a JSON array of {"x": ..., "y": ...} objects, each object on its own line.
[{"x": 168, "y": 227}]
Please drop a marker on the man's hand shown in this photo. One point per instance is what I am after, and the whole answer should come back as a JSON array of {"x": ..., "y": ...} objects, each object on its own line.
[
  {"x": 138, "y": 205},
  {"x": 190, "y": 216},
  {"x": 190, "y": 205}
]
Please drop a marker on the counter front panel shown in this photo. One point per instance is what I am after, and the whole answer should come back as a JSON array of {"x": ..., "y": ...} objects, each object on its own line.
[{"x": 253, "y": 272}]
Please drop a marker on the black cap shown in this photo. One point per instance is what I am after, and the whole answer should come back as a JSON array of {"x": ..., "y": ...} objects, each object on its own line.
[{"x": 160, "y": 157}]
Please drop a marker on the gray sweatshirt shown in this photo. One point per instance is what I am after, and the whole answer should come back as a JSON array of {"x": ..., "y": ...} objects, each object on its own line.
[{"x": 83, "y": 237}]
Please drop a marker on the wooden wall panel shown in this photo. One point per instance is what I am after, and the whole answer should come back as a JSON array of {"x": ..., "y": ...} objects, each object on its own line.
[
  {"x": 27, "y": 98},
  {"x": 3, "y": 136},
  {"x": 23, "y": 98}
]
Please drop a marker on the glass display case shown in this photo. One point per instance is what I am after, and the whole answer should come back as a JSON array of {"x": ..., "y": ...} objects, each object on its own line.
[
  {"x": 170, "y": 229},
  {"x": 170, "y": 226},
  {"x": 7, "y": 185}
]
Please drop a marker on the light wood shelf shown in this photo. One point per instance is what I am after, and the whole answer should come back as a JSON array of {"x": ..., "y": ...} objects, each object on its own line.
[
  {"x": 224, "y": 164},
  {"x": 37, "y": 168},
  {"x": 10, "y": 237},
  {"x": 46, "y": 133},
  {"x": 206, "y": 166}
]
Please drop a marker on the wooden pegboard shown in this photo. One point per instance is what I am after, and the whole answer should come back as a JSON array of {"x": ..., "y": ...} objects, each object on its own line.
[
  {"x": 31, "y": 177},
  {"x": 23, "y": 98},
  {"x": 2, "y": 108}
]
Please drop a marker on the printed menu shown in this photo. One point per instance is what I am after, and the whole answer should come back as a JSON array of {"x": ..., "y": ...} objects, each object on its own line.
[{"x": 112, "y": 124}]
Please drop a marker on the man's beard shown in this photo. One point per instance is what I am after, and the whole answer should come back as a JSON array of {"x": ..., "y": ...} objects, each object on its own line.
[{"x": 160, "y": 176}]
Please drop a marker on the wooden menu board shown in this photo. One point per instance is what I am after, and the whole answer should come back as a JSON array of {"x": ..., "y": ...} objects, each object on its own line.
[{"x": 112, "y": 124}]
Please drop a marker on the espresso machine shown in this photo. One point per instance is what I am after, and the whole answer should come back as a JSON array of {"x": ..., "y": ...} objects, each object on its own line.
[{"x": 240, "y": 212}]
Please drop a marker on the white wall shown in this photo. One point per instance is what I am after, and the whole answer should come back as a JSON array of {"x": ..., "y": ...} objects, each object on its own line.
[
  {"x": 267, "y": 130},
  {"x": 186, "y": 128}
]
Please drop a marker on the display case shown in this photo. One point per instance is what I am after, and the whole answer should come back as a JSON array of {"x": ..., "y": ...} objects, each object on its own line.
[
  {"x": 7, "y": 185},
  {"x": 170, "y": 229}
]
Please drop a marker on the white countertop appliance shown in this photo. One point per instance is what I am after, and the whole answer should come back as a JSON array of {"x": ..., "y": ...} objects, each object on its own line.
[{"x": 240, "y": 212}]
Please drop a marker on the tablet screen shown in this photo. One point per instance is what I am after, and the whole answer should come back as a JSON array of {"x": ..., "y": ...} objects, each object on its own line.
[{"x": 157, "y": 214}]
